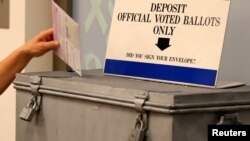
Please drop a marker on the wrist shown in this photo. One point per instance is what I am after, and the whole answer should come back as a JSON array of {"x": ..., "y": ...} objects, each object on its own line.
[{"x": 24, "y": 53}]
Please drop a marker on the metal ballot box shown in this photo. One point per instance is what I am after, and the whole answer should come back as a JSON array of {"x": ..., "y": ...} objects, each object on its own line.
[{"x": 97, "y": 107}]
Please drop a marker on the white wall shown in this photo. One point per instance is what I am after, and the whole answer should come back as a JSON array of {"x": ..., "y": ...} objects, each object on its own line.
[
  {"x": 10, "y": 39},
  {"x": 27, "y": 18}
]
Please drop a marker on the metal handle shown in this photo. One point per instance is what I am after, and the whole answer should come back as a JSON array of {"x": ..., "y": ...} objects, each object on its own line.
[{"x": 234, "y": 118}]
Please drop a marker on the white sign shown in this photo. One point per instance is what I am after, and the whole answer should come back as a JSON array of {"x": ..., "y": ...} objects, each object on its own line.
[
  {"x": 66, "y": 32},
  {"x": 177, "y": 41}
]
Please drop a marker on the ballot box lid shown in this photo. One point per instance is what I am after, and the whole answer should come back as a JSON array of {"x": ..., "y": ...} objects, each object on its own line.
[{"x": 143, "y": 95}]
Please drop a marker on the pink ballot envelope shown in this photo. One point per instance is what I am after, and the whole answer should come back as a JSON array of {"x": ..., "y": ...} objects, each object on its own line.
[{"x": 66, "y": 32}]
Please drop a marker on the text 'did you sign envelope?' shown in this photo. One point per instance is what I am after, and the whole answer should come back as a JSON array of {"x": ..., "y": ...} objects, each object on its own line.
[{"x": 176, "y": 41}]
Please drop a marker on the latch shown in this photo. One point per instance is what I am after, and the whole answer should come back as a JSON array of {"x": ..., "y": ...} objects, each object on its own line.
[
  {"x": 138, "y": 133},
  {"x": 140, "y": 99},
  {"x": 35, "y": 84},
  {"x": 231, "y": 117},
  {"x": 31, "y": 109},
  {"x": 33, "y": 106}
]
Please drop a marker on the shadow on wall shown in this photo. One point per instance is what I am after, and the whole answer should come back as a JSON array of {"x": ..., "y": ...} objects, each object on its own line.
[{"x": 235, "y": 64}]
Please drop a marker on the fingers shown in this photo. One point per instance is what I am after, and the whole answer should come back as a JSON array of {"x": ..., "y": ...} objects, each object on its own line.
[
  {"x": 42, "y": 47},
  {"x": 46, "y": 35},
  {"x": 47, "y": 32},
  {"x": 40, "y": 44},
  {"x": 50, "y": 45}
]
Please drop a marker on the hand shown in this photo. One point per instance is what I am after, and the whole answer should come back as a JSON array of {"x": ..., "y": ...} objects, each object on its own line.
[
  {"x": 40, "y": 44},
  {"x": 19, "y": 58}
]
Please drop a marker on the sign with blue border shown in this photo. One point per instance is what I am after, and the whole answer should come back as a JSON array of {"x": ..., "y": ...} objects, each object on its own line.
[{"x": 176, "y": 41}]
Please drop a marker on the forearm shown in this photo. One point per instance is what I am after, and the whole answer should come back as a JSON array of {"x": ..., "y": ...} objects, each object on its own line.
[{"x": 11, "y": 65}]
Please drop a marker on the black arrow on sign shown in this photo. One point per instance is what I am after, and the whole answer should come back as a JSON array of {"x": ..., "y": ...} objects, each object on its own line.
[{"x": 163, "y": 43}]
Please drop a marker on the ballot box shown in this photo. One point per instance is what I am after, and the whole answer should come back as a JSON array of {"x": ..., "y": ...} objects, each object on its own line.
[{"x": 62, "y": 106}]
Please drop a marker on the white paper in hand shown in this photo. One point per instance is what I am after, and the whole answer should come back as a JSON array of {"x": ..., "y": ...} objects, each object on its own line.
[{"x": 66, "y": 32}]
